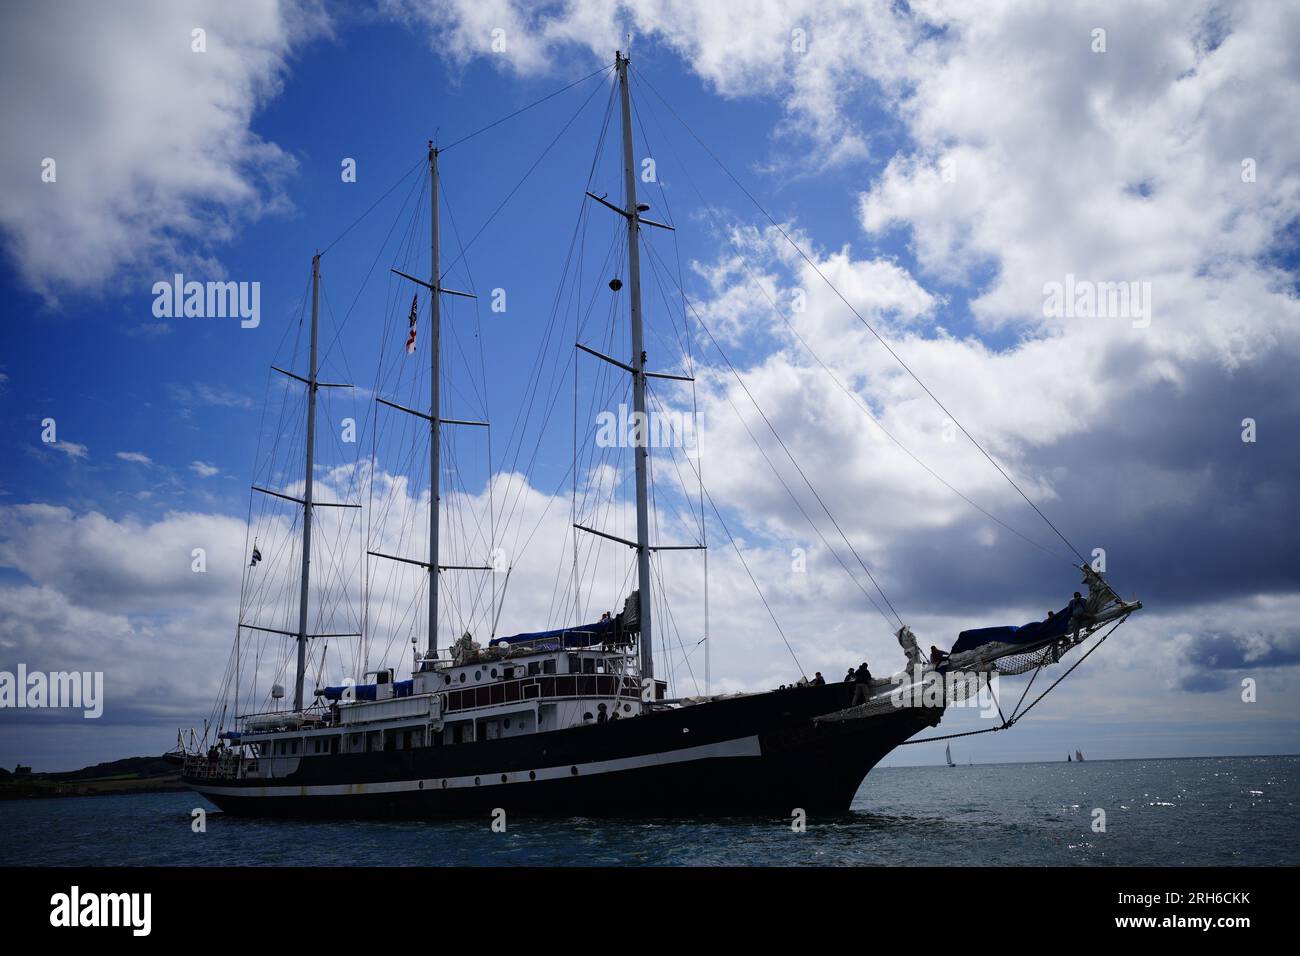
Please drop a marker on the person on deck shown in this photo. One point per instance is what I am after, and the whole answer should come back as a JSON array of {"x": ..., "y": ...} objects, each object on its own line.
[
  {"x": 862, "y": 680},
  {"x": 818, "y": 680},
  {"x": 848, "y": 678}
]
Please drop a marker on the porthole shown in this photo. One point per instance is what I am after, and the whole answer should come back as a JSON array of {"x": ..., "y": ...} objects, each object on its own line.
[
  {"x": 462, "y": 677},
  {"x": 627, "y": 708},
  {"x": 504, "y": 778},
  {"x": 532, "y": 775},
  {"x": 476, "y": 781},
  {"x": 494, "y": 672},
  {"x": 573, "y": 770},
  {"x": 478, "y": 675},
  {"x": 444, "y": 785},
  {"x": 447, "y": 679},
  {"x": 421, "y": 784},
  {"x": 507, "y": 723}
]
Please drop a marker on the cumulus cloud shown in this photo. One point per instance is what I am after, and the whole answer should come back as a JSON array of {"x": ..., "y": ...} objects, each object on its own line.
[
  {"x": 819, "y": 59},
  {"x": 138, "y": 457},
  {"x": 203, "y": 469},
  {"x": 154, "y": 158}
]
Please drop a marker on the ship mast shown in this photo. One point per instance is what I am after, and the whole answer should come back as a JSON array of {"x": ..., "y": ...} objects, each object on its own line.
[
  {"x": 306, "y": 498},
  {"x": 435, "y": 449},
  {"x": 642, "y": 443},
  {"x": 434, "y": 415}
]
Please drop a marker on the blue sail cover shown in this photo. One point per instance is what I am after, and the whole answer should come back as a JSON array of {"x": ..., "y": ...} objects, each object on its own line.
[
  {"x": 401, "y": 688},
  {"x": 584, "y": 635},
  {"x": 1031, "y": 633}
]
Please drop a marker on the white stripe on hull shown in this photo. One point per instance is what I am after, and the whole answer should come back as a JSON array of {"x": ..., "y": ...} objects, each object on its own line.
[{"x": 740, "y": 747}]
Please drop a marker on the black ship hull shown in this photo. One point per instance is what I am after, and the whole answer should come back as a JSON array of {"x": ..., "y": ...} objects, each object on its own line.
[{"x": 761, "y": 754}]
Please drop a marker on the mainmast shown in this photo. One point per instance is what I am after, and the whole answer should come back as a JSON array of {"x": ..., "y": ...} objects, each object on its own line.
[
  {"x": 434, "y": 415},
  {"x": 435, "y": 450},
  {"x": 642, "y": 442},
  {"x": 306, "y": 498}
]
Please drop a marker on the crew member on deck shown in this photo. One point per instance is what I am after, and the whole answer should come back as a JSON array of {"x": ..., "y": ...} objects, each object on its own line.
[
  {"x": 818, "y": 680},
  {"x": 937, "y": 656},
  {"x": 862, "y": 678}
]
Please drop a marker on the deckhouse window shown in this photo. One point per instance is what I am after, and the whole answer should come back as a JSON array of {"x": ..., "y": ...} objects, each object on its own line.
[
  {"x": 535, "y": 667},
  {"x": 548, "y": 666}
]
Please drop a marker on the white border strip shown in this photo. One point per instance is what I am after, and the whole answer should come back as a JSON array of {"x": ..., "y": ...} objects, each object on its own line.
[{"x": 740, "y": 747}]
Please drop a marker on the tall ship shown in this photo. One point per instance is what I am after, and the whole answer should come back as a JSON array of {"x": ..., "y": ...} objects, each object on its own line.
[{"x": 575, "y": 717}]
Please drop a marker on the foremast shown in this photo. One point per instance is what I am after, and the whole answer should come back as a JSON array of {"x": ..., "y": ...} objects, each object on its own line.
[
  {"x": 435, "y": 369},
  {"x": 641, "y": 450},
  {"x": 307, "y": 490}
]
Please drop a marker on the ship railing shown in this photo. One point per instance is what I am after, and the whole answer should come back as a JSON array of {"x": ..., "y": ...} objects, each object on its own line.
[
  {"x": 226, "y": 766},
  {"x": 546, "y": 687}
]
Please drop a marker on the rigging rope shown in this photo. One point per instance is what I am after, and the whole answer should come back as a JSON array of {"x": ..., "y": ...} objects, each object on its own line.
[
  {"x": 1017, "y": 714},
  {"x": 816, "y": 268},
  {"x": 524, "y": 109}
]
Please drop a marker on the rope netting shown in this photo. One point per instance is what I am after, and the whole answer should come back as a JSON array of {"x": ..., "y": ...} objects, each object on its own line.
[{"x": 937, "y": 689}]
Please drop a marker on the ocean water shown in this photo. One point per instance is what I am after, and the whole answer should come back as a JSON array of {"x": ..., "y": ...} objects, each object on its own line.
[{"x": 1205, "y": 811}]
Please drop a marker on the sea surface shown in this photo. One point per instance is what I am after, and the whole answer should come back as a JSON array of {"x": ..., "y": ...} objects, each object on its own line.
[{"x": 1180, "y": 812}]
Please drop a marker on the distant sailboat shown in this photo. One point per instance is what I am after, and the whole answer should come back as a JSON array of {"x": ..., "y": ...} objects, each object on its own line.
[
  {"x": 1078, "y": 756},
  {"x": 1069, "y": 759},
  {"x": 947, "y": 753}
]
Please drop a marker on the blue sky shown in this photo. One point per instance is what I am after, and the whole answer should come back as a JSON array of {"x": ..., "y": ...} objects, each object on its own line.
[{"x": 226, "y": 165}]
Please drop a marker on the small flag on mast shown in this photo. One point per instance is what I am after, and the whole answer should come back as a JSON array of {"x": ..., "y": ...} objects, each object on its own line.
[
  {"x": 410, "y": 338},
  {"x": 257, "y": 556}
]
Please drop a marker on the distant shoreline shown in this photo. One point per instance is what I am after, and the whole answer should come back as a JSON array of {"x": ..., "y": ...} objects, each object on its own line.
[
  {"x": 48, "y": 789},
  {"x": 130, "y": 775}
]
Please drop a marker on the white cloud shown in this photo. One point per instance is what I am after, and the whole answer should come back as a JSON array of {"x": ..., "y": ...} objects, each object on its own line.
[
  {"x": 203, "y": 469},
  {"x": 820, "y": 59},
  {"x": 139, "y": 458},
  {"x": 200, "y": 393},
  {"x": 1124, "y": 165},
  {"x": 72, "y": 449},
  {"x": 155, "y": 157}
]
